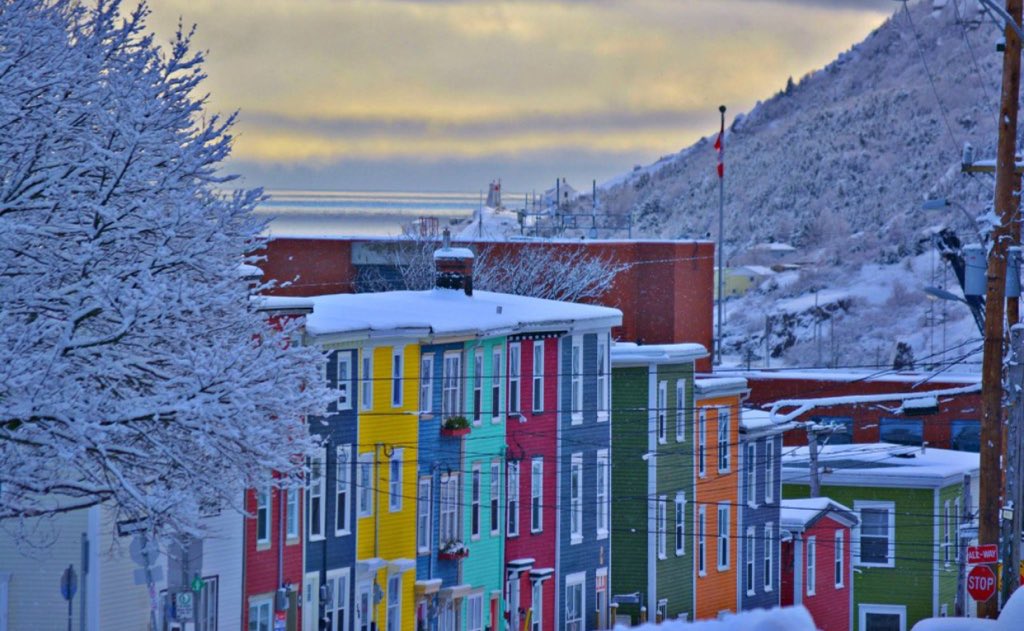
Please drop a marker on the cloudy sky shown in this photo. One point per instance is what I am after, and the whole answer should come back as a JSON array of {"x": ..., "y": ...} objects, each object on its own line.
[{"x": 443, "y": 95}]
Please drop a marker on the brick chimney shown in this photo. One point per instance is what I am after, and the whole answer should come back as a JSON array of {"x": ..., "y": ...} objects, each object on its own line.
[{"x": 453, "y": 267}]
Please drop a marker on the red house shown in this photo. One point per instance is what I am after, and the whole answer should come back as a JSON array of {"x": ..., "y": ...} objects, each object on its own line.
[{"x": 816, "y": 568}]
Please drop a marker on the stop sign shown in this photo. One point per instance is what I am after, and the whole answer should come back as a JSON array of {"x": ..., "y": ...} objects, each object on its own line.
[{"x": 981, "y": 583}]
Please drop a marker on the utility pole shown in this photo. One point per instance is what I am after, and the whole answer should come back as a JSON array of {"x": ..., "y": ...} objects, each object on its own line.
[
  {"x": 992, "y": 361},
  {"x": 813, "y": 431},
  {"x": 721, "y": 233}
]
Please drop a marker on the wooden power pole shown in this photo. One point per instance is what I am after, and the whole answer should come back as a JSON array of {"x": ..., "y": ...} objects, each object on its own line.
[{"x": 992, "y": 360}]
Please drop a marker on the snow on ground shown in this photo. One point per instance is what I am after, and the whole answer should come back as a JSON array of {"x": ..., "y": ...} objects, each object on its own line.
[
  {"x": 497, "y": 224},
  {"x": 1011, "y": 618},
  {"x": 778, "y": 619}
]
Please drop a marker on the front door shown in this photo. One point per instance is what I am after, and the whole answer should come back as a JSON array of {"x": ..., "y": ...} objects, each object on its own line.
[{"x": 311, "y": 602}]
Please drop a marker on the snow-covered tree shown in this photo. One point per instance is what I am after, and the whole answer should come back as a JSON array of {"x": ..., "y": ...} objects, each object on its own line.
[{"x": 137, "y": 370}]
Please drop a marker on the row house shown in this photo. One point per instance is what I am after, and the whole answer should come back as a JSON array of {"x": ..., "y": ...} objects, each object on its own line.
[{"x": 653, "y": 480}]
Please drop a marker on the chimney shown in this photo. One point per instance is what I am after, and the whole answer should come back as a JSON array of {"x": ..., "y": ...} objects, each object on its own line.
[{"x": 453, "y": 267}]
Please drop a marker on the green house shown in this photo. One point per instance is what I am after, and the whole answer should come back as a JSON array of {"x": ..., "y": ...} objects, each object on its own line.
[
  {"x": 909, "y": 501},
  {"x": 652, "y": 480}
]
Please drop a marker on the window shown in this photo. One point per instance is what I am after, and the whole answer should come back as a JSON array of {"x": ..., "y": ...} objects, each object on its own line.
[
  {"x": 513, "y": 498},
  {"x": 901, "y": 431},
  {"x": 947, "y": 525},
  {"x": 395, "y": 481},
  {"x": 364, "y": 484},
  {"x": 366, "y": 396},
  {"x": 475, "y": 612},
  {"x": 206, "y": 603},
  {"x": 475, "y": 490},
  {"x": 839, "y": 559},
  {"x": 680, "y": 524},
  {"x": 449, "y": 509},
  {"x": 478, "y": 384},
  {"x": 576, "y": 368},
  {"x": 723, "y": 536},
  {"x": 574, "y": 605},
  {"x": 364, "y": 606},
  {"x": 537, "y": 619},
  {"x": 751, "y": 472},
  {"x": 749, "y": 555},
  {"x": 680, "y": 410},
  {"x": 701, "y": 543},
  {"x": 882, "y": 617},
  {"x": 538, "y": 376},
  {"x": 495, "y": 497},
  {"x": 343, "y": 489},
  {"x": 451, "y": 385},
  {"x": 263, "y": 516},
  {"x": 344, "y": 374},
  {"x": 496, "y": 373},
  {"x": 661, "y": 526},
  {"x": 315, "y": 510},
  {"x": 876, "y": 544},
  {"x": 769, "y": 470},
  {"x": 603, "y": 507},
  {"x": 337, "y": 606},
  {"x": 537, "y": 494},
  {"x": 426, "y": 383},
  {"x": 291, "y": 512},
  {"x": 396, "y": 378},
  {"x": 723, "y": 440},
  {"x": 702, "y": 440},
  {"x": 812, "y": 564},
  {"x": 965, "y": 435},
  {"x": 423, "y": 516},
  {"x": 394, "y": 602},
  {"x": 603, "y": 387},
  {"x": 662, "y": 412},
  {"x": 769, "y": 557},
  {"x": 259, "y": 615},
  {"x": 513, "y": 378},
  {"x": 576, "y": 498}
]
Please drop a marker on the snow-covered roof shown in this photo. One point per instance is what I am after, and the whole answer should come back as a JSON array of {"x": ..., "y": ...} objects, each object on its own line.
[
  {"x": 774, "y": 247},
  {"x": 453, "y": 253},
  {"x": 759, "y": 270},
  {"x": 753, "y": 420},
  {"x": 249, "y": 271},
  {"x": 880, "y": 464},
  {"x": 789, "y": 618},
  {"x": 798, "y": 514},
  {"x": 282, "y": 303},
  {"x": 867, "y": 375},
  {"x": 624, "y": 353},
  {"x": 706, "y": 386},
  {"x": 445, "y": 312}
]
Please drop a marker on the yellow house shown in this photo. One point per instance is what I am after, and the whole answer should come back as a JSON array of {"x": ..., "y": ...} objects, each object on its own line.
[{"x": 386, "y": 485}]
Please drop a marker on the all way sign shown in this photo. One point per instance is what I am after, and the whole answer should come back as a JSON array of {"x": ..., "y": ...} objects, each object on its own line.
[{"x": 988, "y": 553}]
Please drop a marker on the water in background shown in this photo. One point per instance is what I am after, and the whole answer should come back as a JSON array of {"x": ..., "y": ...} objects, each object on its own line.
[{"x": 360, "y": 213}]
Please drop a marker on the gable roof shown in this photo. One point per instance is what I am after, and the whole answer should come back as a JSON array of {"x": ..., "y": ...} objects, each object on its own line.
[
  {"x": 801, "y": 514},
  {"x": 629, "y": 353},
  {"x": 881, "y": 465}
]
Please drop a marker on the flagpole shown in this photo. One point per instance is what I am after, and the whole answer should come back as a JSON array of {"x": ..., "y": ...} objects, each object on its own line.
[{"x": 721, "y": 231}]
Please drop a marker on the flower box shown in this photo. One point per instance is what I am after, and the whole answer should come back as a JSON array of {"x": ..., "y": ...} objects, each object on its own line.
[
  {"x": 455, "y": 426},
  {"x": 454, "y": 433},
  {"x": 453, "y": 556}
]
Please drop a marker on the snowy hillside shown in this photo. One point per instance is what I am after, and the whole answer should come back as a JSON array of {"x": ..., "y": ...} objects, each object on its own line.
[{"x": 837, "y": 164}]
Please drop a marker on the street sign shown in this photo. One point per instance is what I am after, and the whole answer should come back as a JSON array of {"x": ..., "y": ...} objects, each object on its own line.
[
  {"x": 981, "y": 583},
  {"x": 68, "y": 583},
  {"x": 982, "y": 554},
  {"x": 198, "y": 584},
  {"x": 184, "y": 606}
]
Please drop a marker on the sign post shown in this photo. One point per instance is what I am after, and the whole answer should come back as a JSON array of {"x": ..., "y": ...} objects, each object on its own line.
[
  {"x": 68, "y": 588},
  {"x": 981, "y": 583}
]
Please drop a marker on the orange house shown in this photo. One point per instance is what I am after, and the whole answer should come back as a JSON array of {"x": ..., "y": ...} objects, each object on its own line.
[{"x": 716, "y": 496}]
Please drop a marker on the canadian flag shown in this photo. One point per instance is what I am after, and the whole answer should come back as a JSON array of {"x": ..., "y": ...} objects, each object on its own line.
[{"x": 720, "y": 148}]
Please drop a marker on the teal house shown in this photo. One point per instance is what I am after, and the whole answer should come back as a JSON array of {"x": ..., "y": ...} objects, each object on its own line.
[
  {"x": 909, "y": 501},
  {"x": 652, "y": 480}
]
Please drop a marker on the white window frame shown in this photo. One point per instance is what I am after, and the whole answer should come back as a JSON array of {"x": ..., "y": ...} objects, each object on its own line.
[
  {"x": 496, "y": 379},
  {"x": 515, "y": 368},
  {"x": 512, "y": 499},
  {"x": 662, "y": 412},
  {"x": 947, "y": 525},
  {"x": 603, "y": 494},
  {"x": 769, "y": 557},
  {"x": 702, "y": 545},
  {"x": 495, "y": 497},
  {"x": 259, "y": 605},
  {"x": 366, "y": 392},
  {"x": 478, "y": 386},
  {"x": 451, "y": 384},
  {"x": 316, "y": 491},
  {"x": 702, "y": 442},
  {"x": 396, "y": 477},
  {"x": 722, "y": 547},
  {"x": 858, "y": 506},
  {"x": 537, "y": 494},
  {"x": 364, "y": 484},
  {"x": 724, "y": 430},
  {"x": 450, "y": 520},
  {"x": 538, "y": 376},
  {"x": 769, "y": 470},
  {"x": 811, "y": 557},
  {"x": 661, "y": 519},
  {"x": 603, "y": 379},
  {"x": 576, "y": 379},
  {"x": 394, "y": 603},
  {"x": 424, "y": 524},
  {"x": 339, "y": 582},
  {"x": 475, "y": 612},
  {"x": 576, "y": 498},
  {"x": 840, "y": 562},
  {"x": 344, "y": 384},
  {"x": 750, "y": 556},
  {"x": 291, "y": 513},
  {"x": 343, "y": 490},
  {"x": 751, "y": 471},
  {"x": 576, "y": 581},
  {"x": 426, "y": 383},
  {"x": 680, "y": 529},
  {"x": 396, "y": 377},
  {"x": 265, "y": 505},
  {"x": 863, "y": 609},
  {"x": 476, "y": 501},
  {"x": 680, "y": 410}
]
